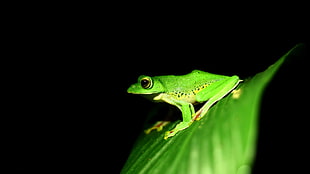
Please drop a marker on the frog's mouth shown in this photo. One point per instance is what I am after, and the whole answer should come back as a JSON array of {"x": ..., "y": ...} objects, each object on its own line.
[{"x": 150, "y": 96}]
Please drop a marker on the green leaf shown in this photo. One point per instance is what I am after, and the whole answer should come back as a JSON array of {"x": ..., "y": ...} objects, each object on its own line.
[{"x": 222, "y": 142}]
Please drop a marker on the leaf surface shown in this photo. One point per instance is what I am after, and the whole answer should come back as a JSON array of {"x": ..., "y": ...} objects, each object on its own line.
[{"x": 222, "y": 142}]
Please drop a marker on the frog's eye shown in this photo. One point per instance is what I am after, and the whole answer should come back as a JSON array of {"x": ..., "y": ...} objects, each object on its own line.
[{"x": 146, "y": 83}]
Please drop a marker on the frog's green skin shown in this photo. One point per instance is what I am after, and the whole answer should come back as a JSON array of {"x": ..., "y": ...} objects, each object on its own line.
[{"x": 185, "y": 90}]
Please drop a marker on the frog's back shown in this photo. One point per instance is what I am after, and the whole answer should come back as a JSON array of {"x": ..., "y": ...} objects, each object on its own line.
[{"x": 188, "y": 82}]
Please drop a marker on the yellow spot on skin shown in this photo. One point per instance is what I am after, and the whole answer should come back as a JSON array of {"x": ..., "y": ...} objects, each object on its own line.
[{"x": 236, "y": 93}]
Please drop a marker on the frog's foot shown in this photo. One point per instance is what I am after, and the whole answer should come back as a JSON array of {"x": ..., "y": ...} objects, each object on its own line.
[
  {"x": 158, "y": 126},
  {"x": 197, "y": 116},
  {"x": 179, "y": 127}
]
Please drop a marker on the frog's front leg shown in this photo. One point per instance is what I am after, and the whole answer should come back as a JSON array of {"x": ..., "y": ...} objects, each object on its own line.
[
  {"x": 187, "y": 109},
  {"x": 157, "y": 126},
  {"x": 188, "y": 112}
]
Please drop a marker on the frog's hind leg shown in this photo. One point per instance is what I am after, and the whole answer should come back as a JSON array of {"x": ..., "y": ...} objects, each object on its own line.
[{"x": 222, "y": 93}]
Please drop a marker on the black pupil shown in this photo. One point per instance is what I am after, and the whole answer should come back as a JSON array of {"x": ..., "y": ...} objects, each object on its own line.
[{"x": 145, "y": 83}]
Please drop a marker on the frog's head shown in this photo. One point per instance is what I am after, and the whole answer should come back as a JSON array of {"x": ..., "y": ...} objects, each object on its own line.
[{"x": 146, "y": 85}]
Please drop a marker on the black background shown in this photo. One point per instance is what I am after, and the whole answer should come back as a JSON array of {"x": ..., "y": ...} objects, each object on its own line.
[{"x": 69, "y": 70}]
